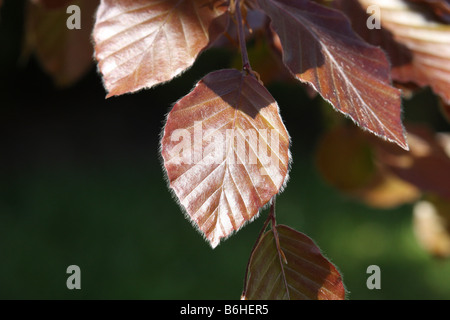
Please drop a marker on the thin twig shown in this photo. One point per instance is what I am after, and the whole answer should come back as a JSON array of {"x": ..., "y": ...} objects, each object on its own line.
[{"x": 241, "y": 35}]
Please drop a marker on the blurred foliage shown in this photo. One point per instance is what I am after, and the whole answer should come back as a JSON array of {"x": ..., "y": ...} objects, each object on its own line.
[{"x": 81, "y": 183}]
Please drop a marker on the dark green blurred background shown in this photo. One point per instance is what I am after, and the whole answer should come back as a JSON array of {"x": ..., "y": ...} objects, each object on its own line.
[{"x": 81, "y": 183}]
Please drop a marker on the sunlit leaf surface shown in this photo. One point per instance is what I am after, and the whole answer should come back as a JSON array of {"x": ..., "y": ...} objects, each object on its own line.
[
  {"x": 226, "y": 152},
  {"x": 141, "y": 43},
  {"x": 320, "y": 48},
  {"x": 305, "y": 275}
]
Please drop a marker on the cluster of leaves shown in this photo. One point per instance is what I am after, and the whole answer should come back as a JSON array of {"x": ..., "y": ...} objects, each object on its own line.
[
  {"x": 416, "y": 37},
  {"x": 326, "y": 46}
]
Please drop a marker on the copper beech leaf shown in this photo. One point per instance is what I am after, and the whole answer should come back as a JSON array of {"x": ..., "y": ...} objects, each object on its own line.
[
  {"x": 141, "y": 43},
  {"x": 427, "y": 39},
  {"x": 305, "y": 274},
  {"x": 426, "y": 165},
  {"x": 225, "y": 152},
  {"x": 345, "y": 159},
  {"x": 440, "y": 7},
  {"x": 417, "y": 43},
  {"x": 320, "y": 48}
]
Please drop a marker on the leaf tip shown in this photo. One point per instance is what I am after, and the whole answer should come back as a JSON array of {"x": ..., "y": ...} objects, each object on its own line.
[
  {"x": 402, "y": 142},
  {"x": 213, "y": 243}
]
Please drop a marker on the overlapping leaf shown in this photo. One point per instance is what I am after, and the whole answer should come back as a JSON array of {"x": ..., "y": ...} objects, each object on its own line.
[
  {"x": 319, "y": 47},
  {"x": 306, "y": 274},
  {"x": 345, "y": 158},
  {"x": 141, "y": 43},
  {"x": 427, "y": 165},
  {"x": 66, "y": 55},
  {"x": 440, "y": 7},
  {"x": 226, "y": 152},
  {"x": 417, "y": 43},
  {"x": 381, "y": 174}
]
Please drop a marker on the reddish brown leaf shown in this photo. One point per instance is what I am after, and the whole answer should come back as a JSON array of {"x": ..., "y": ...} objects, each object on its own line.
[
  {"x": 388, "y": 191},
  {"x": 225, "y": 151},
  {"x": 319, "y": 47},
  {"x": 306, "y": 274},
  {"x": 63, "y": 53},
  {"x": 345, "y": 159},
  {"x": 381, "y": 175},
  {"x": 141, "y": 43},
  {"x": 440, "y": 7},
  {"x": 445, "y": 108},
  {"x": 417, "y": 43},
  {"x": 427, "y": 165}
]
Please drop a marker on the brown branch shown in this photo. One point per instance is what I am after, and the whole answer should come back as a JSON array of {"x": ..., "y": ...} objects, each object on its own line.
[{"x": 241, "y": 35}]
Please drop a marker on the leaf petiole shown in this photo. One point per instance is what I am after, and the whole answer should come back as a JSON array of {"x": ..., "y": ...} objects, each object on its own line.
[{"x": 241, "y": 36}]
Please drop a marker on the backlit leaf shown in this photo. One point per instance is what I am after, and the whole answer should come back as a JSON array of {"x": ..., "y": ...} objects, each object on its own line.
[
  {"x": 345, "y": 159},
  {"x": 225, "y": 151},
  {"x": 141, "y": 43},
  {"x": 440, "y": 7},
  {"x": 388, "y": 191},
  {"x": 320, "y": 48},
  {"x": 427, "y": 165},
  {"x": 417, "y": 43},
  {"x": 305, "y": 275}
]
